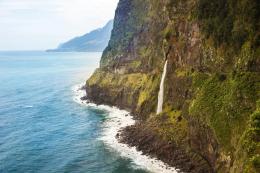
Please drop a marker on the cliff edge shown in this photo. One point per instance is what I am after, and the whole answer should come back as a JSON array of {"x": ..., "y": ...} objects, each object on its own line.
[{"x": 211, "y": 106}]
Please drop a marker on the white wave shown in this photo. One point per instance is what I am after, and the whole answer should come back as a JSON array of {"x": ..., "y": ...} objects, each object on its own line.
[
  {"x": 118, "y": 119},
  {"x": 27, "y": 106}
]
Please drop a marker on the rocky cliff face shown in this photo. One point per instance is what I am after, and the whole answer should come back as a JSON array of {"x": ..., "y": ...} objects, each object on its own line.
[{"x": 210, "y": 118}]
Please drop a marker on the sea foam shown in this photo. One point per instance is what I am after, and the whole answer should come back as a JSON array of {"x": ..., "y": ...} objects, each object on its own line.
[{"x": 118, "y": 119}]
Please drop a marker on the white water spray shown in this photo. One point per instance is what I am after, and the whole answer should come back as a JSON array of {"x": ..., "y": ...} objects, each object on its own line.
[
  {"x": 160, "y": 94},
  {"x": 116, "y": 121}
]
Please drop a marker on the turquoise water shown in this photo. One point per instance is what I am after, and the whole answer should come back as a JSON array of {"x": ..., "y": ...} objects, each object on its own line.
[{"x": 42, "y": 130}]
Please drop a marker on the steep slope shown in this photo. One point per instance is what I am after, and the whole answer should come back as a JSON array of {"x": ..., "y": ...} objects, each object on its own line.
[
  {"x": 210, "y": 118},
  {"x": 94, "y": 41}
]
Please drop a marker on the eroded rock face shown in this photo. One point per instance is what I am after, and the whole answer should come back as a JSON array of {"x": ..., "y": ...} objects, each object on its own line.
[{"x": 210, "y": 87}]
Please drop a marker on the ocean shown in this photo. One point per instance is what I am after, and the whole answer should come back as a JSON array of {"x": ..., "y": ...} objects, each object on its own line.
[{"x": 46, "y": 128}]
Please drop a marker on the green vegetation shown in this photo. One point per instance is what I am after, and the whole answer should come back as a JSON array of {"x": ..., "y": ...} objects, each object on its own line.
[
  {"x": 137, "y": 87},
  {"x": 231, "y": 29},
  {"x": 212, "y": 83},
  {"x": 225, "y": 101},
  {"x": 251, "y": 142},
  {"x": 171, "y": 125},
  {"x": 245, "y": 57},
  {"x": 135, "y": 64},
  {"x": 169, "y": 32},
  {"x": 183, "y": 72},
  {"x": 132, "y": 17},
  {"x": 230, "y": 22},
  {"x": 106, "y": 79}
]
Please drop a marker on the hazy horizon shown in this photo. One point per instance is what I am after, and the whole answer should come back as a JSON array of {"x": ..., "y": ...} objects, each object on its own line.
[{"x": 41, "y": 25}]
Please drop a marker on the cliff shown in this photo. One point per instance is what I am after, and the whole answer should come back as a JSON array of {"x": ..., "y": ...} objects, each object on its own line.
[
  {"x": 94, "y": 41},
  {"x": 210, "y": 119}
]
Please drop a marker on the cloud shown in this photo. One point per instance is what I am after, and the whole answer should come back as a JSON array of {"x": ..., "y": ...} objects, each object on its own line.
[{"x": 49, "y": 21}]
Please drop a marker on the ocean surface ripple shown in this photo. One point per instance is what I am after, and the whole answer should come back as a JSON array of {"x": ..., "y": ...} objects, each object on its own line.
[{"x": 43, "y": 129}]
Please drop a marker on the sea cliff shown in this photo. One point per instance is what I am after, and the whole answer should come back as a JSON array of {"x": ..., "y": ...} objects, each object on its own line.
[{"x": 211, "y": 106}]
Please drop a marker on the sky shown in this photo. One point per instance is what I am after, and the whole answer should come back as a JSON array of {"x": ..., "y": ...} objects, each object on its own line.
[{"x": 44, "y": 24}]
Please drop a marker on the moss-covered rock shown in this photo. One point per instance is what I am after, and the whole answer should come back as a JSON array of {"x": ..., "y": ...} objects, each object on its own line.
[{"x": 210, "y": 112}]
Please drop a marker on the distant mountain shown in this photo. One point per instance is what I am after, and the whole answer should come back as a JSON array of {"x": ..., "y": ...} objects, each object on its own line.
[{"x": 94, "y": 41}]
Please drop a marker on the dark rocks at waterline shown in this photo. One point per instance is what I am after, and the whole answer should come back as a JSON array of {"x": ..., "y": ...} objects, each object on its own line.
[
  {"x": 83, "y": 87},
  {"x": 85, "y": 98},
  {"x": 145, "y": 140}
]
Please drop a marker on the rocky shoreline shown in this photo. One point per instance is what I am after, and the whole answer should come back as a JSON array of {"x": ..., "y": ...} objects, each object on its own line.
[
  {"x": 211, "y": 97},
  {"x": 153, "y": 145},
  {"x": 117, "y": 122},
  {"x": 145, "y": 139}
]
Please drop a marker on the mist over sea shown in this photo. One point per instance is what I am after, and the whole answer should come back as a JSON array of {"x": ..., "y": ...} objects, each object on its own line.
[{"x": 42, "y": 129}]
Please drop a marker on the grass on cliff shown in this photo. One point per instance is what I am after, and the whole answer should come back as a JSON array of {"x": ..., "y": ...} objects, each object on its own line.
[
  {"x": 230, "y": 22},
  {"x": 140, "y": 87},
  {"x": 251, "y": 142},
  {"x": 107, "y": 79},
  {"x": 171, "y": 125},
  {"x": 231, "y": 34},
  {"x": 226, "y": 103}
]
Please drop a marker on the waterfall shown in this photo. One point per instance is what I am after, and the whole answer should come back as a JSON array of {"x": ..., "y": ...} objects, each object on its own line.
[{"x": 160, "y": 94}]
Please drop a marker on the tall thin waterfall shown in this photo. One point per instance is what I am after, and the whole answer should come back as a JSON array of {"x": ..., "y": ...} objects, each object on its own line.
[{"x": 161, "y": 92}]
